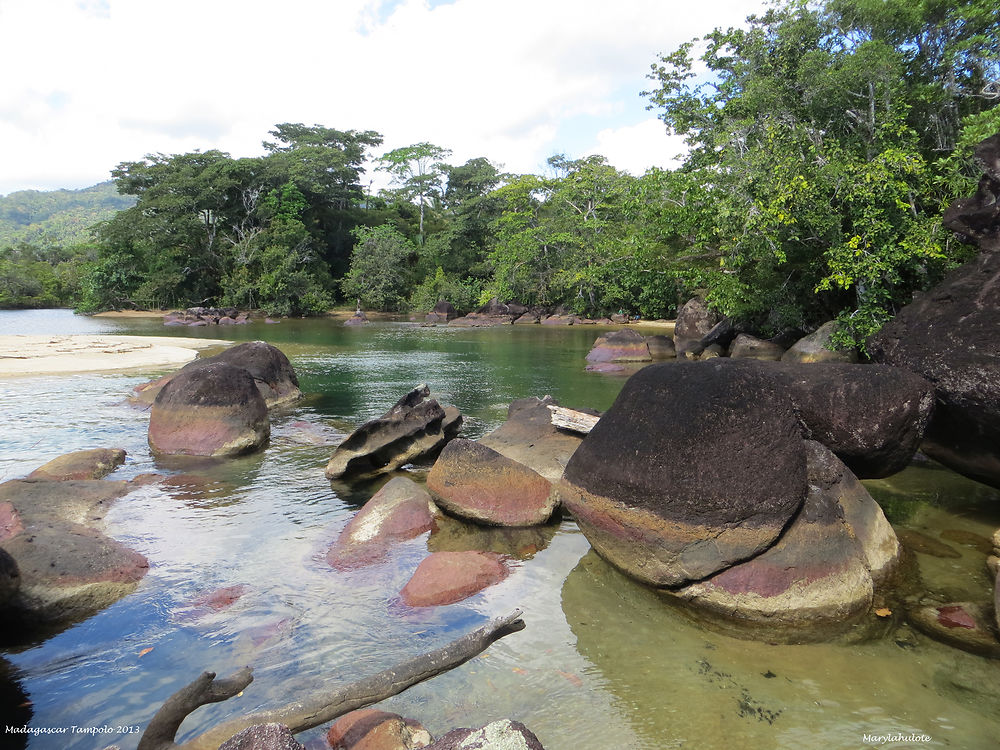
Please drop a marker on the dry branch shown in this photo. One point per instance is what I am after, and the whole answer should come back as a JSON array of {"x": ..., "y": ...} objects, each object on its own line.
[
  {"x": 572, "y": 420},
  {"x": 325, "y": 705}
]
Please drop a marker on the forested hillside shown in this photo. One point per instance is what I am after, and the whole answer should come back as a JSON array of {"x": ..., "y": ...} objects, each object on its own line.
[
  {"x": 825, "y": 141},
  {"x": 60, "y": 218}
]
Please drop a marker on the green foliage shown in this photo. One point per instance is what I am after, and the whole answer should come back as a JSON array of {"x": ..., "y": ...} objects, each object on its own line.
[
  {"x": 57, "y": 218},
  {"x": 824, "y": 148},
  {"x": 463, "y": 295},
  {"x": 380, "y": 268},
  {"x": 34, "y": 277}
]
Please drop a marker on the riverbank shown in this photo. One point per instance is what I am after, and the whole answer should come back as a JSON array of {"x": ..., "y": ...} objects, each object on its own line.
[{"x": 49, "y": 355}]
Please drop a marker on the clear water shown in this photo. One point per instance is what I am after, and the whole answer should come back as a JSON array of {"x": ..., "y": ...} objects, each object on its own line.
[{"x": 603, "y": 662}]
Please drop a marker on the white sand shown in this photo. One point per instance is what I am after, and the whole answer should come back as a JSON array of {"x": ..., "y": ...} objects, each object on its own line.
[{"x": 47, "y": 355}]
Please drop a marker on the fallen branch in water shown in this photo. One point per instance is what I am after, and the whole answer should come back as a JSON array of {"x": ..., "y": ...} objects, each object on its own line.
[{"x": 319, "y": 708}]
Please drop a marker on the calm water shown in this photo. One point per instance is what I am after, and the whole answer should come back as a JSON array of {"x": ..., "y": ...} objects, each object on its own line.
[{"x": 603, "y": 663}]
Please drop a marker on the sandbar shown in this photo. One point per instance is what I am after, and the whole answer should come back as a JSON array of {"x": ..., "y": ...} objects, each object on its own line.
[{"x": 52, "y": 355}]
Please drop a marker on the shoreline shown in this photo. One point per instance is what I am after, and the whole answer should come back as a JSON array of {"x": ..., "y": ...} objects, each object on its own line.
[{"x": 24, "y": 355}]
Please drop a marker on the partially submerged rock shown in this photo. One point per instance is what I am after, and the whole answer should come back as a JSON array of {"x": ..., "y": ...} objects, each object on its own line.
[
  {"x": 443, "y": 312},
  {"x": 401, "y": 510},
  {"x": 820, "y": 573},
  {"x": 475, "y": 482},
  {"x": 416, "y": 427},
  {"x": 529, "y": 437},
  {"x": 88, "y": 464},
  {"x": 625, "y": 345},
  {"x": 695, "y": 467},
  {"x": 272, "y": 372},
  {"x": 214, "y": 409},
  {"x": 449, "y": 577},
  {"x": 964, "y": 625}
]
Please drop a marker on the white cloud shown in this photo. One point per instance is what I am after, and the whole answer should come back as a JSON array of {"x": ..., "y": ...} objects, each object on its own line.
[
  {"x": 98, "y": 82},
  {"x": 635, "y": 148}
]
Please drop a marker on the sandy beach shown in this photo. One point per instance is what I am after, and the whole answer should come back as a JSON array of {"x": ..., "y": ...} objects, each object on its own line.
[{"x": 47, "y": 355}]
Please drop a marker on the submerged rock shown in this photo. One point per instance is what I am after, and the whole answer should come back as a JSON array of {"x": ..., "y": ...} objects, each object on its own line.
[
  {"x": 401, "y": 510},
  {"x": 475, "y": 482},
  {"x": 88, "y": 464},
  {"x": 371, "y": 729},
  {"x": 964, "y": 625},
  {"x": 449, "y": 577},
  {"x": 214, "y": 409},
  {"x": 415, "y": 427},
  {"x": 695, "y": 467}
]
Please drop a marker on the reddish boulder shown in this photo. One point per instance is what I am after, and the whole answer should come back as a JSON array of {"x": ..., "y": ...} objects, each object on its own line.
[
  {"x": 479, "y": 484},
  {"x": 625, "y": 345},
  {"x": 214, "y": 409},
  {"x": 89, "y": 464},
  {"x": 401, "y": 510},
  {"x": 371, "y": 729},
  {"x": 449, "y": 577}
]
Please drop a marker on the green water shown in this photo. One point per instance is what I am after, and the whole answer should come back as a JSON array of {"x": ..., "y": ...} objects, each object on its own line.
[{"x": 603, "y": 662}]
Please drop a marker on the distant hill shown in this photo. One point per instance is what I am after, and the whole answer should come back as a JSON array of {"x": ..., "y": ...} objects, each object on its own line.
[{"x": 57, "y": 218}]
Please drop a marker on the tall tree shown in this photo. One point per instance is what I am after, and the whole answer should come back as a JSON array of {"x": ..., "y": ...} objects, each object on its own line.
[{"x": 418, "y": 172}]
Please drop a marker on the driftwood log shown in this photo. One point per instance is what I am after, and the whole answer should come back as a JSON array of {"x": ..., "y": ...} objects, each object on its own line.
[
  {"x": 325, "y": 705},
  {"x": 572, "y": 420}
]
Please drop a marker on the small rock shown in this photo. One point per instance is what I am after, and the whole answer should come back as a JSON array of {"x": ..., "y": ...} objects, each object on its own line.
[
  {"x": 498, "y": 735},
  {"x": 263, "y": 737},
  {"x": 963, "y": 625},
  {"x": 449, "y": 577},
  {"x": 371, "y": 729},
  {"x": 816, "y": 347}
]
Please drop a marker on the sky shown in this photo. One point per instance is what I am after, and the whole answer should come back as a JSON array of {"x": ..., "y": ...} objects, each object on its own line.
[{"x": 87, "y": 84}]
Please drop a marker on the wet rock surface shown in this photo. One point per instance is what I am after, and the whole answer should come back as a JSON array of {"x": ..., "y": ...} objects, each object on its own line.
[
  {"x": 88, "y": 464},
  {"x": 624, "y": 345},
  {"x": 371, "y": 729},
  {"x": 263, "y": 737},
  {"x": 416, "y": 427},
  {"x": 964, "y": 625},
  {"x": 214, "y": 409},
  {"x": 475, "y": 482},
  {"x": 401, "y": 510},
  {"x": 504, "y": 734},
  {"x": 449, "y": 577}
]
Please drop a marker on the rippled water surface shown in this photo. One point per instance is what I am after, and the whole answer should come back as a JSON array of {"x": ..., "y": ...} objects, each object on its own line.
[{"x": 603, "y": 662}]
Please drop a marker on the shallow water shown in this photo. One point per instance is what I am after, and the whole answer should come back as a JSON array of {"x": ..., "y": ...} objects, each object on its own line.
[{"x": 603, "y": 662}]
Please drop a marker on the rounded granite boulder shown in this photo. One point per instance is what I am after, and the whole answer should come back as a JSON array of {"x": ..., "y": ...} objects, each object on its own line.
[
  {"x": 214, "y": 409},
  {"x": 695, "y": 467}
]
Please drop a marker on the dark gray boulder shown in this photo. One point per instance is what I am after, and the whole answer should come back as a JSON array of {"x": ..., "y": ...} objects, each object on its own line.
[
  {"x": 416, "y": 427},
  {"x": 694, "y": 322},
  {"x": 272, "y": 372},
  {"x": 949, "y": 336},
  {"x": 214, "y": 409},
  {"x": 10, "y": 577},
  {"x": 696, "y": 466},
  {"x": 661, "y": 347}
]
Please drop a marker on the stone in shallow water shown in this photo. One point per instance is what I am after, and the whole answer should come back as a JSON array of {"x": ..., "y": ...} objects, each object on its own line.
[
  {"x": 479, "y": 484},
  {"x": 371, "y": 729},
  {"x": 504, "y": 734},
  {"x": 449, "y": 577},
  {"x": 529, "y": 437},
  {"x": 89, "y": 464},
  {"x": 964, "y": 625}
]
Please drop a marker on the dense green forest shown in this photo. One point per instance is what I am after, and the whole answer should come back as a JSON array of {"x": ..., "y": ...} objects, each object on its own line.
[{"x": 825, "y": 141}]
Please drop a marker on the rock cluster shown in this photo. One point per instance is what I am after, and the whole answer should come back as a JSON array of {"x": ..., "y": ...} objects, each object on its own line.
[
  {"x": 718, "y": 481},
  {"x": 207, "y": 316}
]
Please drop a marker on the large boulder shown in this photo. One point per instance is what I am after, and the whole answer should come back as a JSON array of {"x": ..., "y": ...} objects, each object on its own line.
[
  {"x": 625, "y": 345},
  {"x": 529, "y": 437},
  {"x": 475, "y": 482},
  {"x": 416, "y": 427},
  {"x": 694, "y": 321},
  {"x": 401, "y": 510},
  {"x": 696, "y": 466},
  {"x": 820, "y": 573},
  {"x": 449, "y": 577},
  {"x": 949, "y": 336},
  {"x": 661, "y": 346},
  {"x": 214, "y": 409},
  {"x": 87, "y": 464},
  {"x": 817, "y": 347},
  {"x": 443, "y": 312},
  {"x": 272, "y": 372},
  {"x": 872, "y": 416}
]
